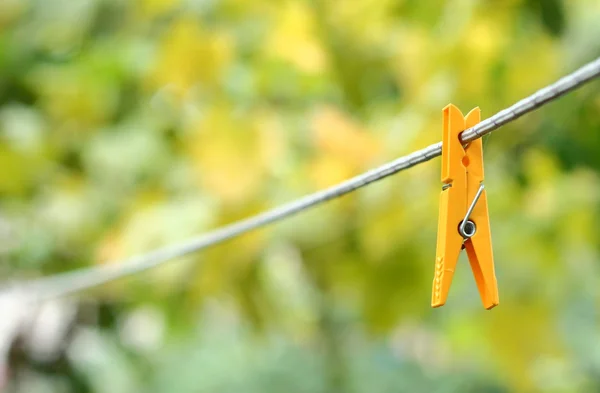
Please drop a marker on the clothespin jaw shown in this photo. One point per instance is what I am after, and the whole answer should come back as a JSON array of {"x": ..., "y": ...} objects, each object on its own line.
[{"x": 462, "y": 175}]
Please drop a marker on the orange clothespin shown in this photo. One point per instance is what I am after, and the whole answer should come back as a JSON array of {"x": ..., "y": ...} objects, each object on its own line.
[{"x": 463, "y": 217}]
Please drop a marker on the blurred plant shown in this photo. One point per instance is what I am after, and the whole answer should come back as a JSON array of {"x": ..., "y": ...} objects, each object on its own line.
[{"x": 129, "y": 125}]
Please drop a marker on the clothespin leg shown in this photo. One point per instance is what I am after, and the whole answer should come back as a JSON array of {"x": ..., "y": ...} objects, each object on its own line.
[
  {"x": 479, "y": 246},
  {"x": 453, "y": 202},
  {"x": 449, "y": 245},
  {"x": 479, "y": 251}
]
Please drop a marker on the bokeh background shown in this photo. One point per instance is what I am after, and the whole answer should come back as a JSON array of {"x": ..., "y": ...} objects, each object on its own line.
[{"x": 129, "y": 125}]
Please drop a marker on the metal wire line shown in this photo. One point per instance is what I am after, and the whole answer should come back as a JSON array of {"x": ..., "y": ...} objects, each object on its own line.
[{"x": 71, "y": 282}]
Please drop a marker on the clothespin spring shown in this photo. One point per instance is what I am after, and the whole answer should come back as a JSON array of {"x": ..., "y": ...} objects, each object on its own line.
[{"x": 467, "y": 228}]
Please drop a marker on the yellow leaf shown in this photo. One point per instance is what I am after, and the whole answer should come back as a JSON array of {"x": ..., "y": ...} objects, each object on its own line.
[
  {"x": 294, "y": 39},
  {"x": 190, "y": 56},
  {"x": 326, "y": 171},
  {"x": 227, "y": 156},
  {"x": 336, "y": 134}
]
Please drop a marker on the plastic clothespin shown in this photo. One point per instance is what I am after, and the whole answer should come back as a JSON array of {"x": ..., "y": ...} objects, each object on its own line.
[{"x": 463, "y": 218}]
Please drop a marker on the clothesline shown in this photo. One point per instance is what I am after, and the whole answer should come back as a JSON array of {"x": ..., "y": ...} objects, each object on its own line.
[{"x": 68, "y": 283}]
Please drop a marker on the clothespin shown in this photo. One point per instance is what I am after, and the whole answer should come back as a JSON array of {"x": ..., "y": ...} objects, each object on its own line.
[{"x": 463, "y": 217}]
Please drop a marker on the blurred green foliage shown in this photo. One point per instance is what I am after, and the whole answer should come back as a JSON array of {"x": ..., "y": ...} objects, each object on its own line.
[{"x": 127, "y": 125}]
